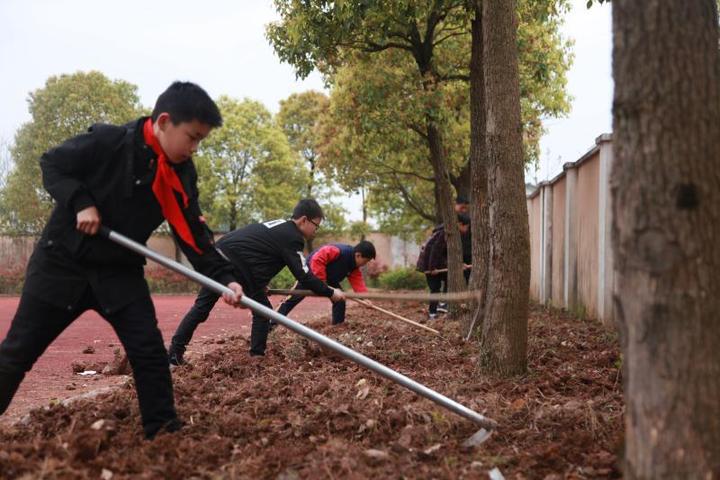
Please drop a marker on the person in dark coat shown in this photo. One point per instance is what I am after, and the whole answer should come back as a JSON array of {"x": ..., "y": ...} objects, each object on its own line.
[
  {"x": 129, "y": 178},
  {"x": 332, "y": 264},
  {"x": 259, "y": 251},
  {"x": 436, "y": 267}
]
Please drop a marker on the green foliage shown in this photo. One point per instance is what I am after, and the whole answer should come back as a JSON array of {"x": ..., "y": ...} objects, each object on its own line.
[
  {"x": 66, "y": 106},
  {"x": 402, "y": 279},
  {"x": 298, "y": 118},
  {"x": 335, "y": 222},
  {"x": 359, "y": 229},
  {"x": 319, "y": 34},
  {"x": 284, "y": 279},
  {"x": 5, "y": 162},
  {"x": 544, "y": 60},
  {"x": 5, "y": 169},
  {"x": 373, "y": 136},
  {"x": 387, "y": 82},
  {"x": 246, "y": 169}
]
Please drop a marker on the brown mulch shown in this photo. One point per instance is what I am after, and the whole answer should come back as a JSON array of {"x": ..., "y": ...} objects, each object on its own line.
[{"x": 302, "y": 412}]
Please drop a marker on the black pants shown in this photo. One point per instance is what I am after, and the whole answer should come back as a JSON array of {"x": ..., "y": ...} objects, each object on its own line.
[
  {"x": 338, "y": 308},
  {"x": 37, "y": 323},
  {"x": 436, "y": 283},
  {"x": 200, "y": 311}
]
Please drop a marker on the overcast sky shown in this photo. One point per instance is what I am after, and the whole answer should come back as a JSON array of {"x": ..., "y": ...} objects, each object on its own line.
[{"x": 221, "y": 45}]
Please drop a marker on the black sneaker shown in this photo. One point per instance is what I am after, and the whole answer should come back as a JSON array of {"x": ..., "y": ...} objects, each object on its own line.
[
  {"x": 175, "y": 357},
  {"x": 442, "y": 308}
]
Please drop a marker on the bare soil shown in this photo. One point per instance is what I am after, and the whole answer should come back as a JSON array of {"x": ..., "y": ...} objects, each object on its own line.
[{"x": 303, "y": 412}]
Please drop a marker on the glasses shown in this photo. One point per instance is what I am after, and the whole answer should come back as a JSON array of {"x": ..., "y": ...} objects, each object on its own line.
[{"x": 317, "y": 225}]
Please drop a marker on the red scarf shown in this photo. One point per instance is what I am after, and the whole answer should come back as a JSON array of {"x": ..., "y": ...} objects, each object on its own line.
[{"x": 165, "y": 185}]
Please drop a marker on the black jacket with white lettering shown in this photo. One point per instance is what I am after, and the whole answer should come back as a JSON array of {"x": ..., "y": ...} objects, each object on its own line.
[{"x": 261, "y": 250}]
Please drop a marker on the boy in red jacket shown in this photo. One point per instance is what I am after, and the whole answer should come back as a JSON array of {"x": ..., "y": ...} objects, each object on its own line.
[{"x": 333, "y": 263}]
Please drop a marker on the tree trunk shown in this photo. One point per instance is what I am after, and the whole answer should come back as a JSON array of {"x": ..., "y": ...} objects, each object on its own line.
[
  {"x": 666, "y": 224},
  {"x": 309, "y": 244},
  {"x": 478, "y": 177},
  {"x": 463, "y": 181},
  {"x": 504, "y": 336},
  {"x": 311, "y": 177},
  {"x": 232, "y": 223},
  {"x": 364, "y": 211},
  {"x": 446, "y": 207},
  {"x": 438, "y": 205}
]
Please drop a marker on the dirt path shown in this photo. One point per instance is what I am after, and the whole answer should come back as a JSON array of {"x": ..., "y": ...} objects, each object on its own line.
[{"x": 52, "y": 378}]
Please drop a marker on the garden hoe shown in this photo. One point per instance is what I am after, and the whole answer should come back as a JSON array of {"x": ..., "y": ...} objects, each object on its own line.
[{"x": 306, "y": 332}]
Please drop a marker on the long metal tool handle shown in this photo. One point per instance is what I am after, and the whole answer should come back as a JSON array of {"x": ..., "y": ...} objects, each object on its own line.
[
  {"x": 421, "y": 297},
  {"x": 306, "y": 332},
  {"x": 395, "y": 315}
]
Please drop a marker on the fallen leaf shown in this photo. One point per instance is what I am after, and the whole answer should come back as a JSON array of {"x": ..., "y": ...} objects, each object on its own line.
[
  {"x": 376, "y": 454},
  {"x": 495, "y": 474},
  {"x": 363, "y": 392},
  {"x": 433, "y": 449},
  {"x": 98, "y": 425},
  {"x": 477, "y": 439}
]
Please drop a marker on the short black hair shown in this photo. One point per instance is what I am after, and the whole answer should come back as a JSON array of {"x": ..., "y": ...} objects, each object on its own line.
[
  {"x": 185, "y": 102},
  {"x": 307, "y": 207},
  {"x": 365, "y": 249},
  {"x": 461, "y": 200},
  {"x": 463, "y": 219}
]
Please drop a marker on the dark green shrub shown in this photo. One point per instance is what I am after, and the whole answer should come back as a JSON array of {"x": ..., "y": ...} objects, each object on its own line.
[
  {"x": 284, "y": 279},
  {"x": 402, "y": 279}
]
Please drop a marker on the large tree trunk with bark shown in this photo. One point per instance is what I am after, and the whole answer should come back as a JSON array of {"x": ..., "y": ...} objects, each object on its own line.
[
  {"x": 666, "y": 226},
  {"x": 446, "y": 207},
  {"x": 478, "y": 177},
  {"x": 504, "y": 336}
]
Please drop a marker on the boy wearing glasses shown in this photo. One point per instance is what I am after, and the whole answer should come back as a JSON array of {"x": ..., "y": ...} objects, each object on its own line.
[{"x": 259, "y": 251}]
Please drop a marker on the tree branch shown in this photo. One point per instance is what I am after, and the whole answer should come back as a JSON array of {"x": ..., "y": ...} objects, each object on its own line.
[
  {"x": 395, "y": 171},
  {"x": 417, "y": 130},
  {"x": 449, "y": 35},
  {"x": 411, "y": 203},
  {"x": 379, "y": 47},
  {"x": 456, "y": 77}
]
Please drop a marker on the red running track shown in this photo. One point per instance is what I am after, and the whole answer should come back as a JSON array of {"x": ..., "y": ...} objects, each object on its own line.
[{"x": 52, "y": 379}]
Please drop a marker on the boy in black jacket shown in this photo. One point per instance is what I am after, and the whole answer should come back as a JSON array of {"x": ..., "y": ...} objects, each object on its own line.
[
  {"x": 259, "y": 251},
  {"x": 129, "y": 178}
]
